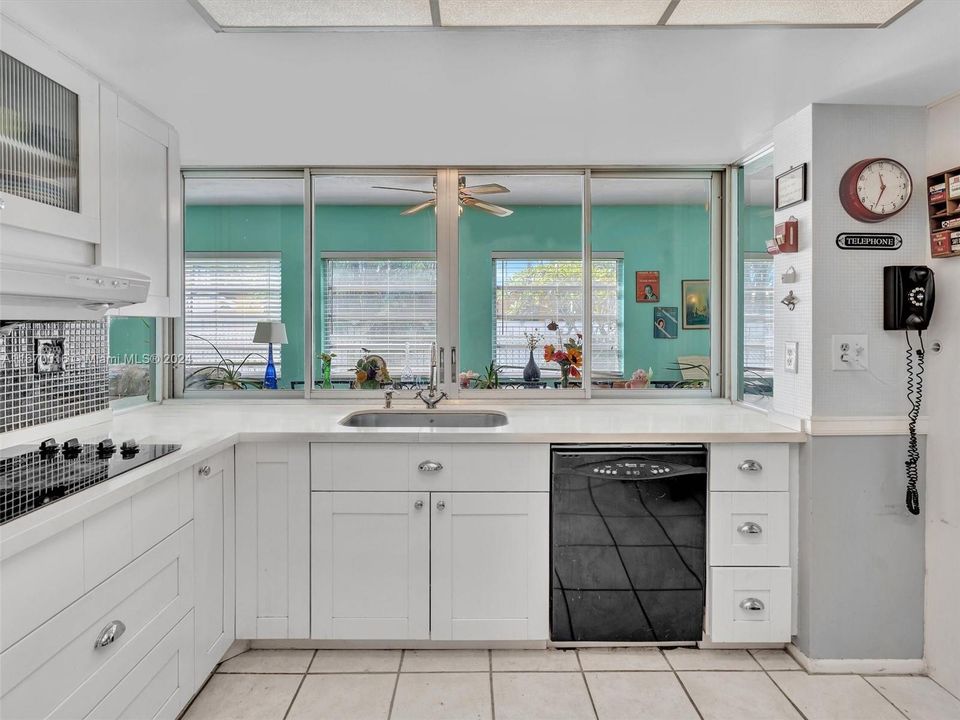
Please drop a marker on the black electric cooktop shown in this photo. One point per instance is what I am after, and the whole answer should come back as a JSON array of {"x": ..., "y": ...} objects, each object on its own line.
[{"x": 33, "y": 477}]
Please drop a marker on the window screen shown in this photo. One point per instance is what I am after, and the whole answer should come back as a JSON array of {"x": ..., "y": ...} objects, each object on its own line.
[
  {"x": 387, "y": 306},
  {"x": 225, "y": 296}
]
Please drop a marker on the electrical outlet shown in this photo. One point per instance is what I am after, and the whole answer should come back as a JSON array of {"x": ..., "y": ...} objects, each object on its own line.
[
  {"x": 850, "y": 352},
  {"x": 790, "y": 361}
]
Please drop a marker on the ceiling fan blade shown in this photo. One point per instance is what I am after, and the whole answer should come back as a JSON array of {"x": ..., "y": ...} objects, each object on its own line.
[
  {"x": 419, "y": 207},
  {"x": 486, "y": 189},
  {"x": 487, "y": 207},
  {"x": 384, "y": 187}
]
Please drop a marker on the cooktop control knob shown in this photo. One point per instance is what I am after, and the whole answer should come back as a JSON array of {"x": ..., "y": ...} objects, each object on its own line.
[
  {"x": 129, "y": 447},
  {"x": 50, "y": 446},
  {"x": 105, "y": 447},
  {"x": 71, "y": 448}
]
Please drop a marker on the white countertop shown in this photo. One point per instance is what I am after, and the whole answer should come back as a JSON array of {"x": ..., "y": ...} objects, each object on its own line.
[{"x": 206, "y": 428}]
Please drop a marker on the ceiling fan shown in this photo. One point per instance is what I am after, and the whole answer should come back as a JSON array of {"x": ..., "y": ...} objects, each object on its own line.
[{"x": 465, "y": 197}]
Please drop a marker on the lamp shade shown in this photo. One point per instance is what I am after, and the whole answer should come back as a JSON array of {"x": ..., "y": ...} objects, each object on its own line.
[{"x": 270, "y": 332}]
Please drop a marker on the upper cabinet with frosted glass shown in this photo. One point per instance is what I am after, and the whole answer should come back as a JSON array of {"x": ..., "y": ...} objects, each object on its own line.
[
  {"x": 49, "y": 142},
  {"x": 80, "y": 163}
]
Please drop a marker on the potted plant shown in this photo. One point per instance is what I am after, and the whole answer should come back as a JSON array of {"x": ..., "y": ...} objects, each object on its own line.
[
  {"x": 225, "y": 375},
  {"x": 326, "y": 360},
  {"x": 372, "y": 372},
  {"x": 490, "y": 378},
  {"x": 569, "y": 358}
]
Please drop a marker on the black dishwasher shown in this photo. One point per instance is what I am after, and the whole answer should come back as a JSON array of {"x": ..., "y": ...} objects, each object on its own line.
[{"x": 628, "y": 543}]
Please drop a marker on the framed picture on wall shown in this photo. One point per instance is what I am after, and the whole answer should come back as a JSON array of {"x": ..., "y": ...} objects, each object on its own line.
[
  {"x": 791, "y": 187},
  {"x": 696, "y": 304},
  {"x": 665, "y": 323},
  {"x": 648, "y": 286}
]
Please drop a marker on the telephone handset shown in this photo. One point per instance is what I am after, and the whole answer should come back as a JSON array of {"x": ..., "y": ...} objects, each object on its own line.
[{"x": 908, "y": 297}]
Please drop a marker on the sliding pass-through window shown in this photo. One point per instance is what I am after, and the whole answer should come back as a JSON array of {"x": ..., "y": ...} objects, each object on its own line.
[{"x": 375, "y": 281}]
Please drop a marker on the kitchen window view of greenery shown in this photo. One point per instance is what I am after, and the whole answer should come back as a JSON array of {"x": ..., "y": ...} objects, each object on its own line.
[
  {"x": 755, "y": 212},
  {"x": 382, "y": 282}
]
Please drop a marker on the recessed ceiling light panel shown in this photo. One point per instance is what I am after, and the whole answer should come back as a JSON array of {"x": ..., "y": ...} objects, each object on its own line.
[
  {"x": 517, "y": 13},
  {"x": 252, "y": 14},
  {"x": 866, "y": 13}
]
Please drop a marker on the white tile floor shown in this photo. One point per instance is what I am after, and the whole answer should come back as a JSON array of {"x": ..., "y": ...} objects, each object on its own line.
[{"x": 619, "y": 684}]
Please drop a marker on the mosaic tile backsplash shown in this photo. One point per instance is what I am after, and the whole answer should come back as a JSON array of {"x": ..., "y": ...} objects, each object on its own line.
[{"x": 33, "y": 387}]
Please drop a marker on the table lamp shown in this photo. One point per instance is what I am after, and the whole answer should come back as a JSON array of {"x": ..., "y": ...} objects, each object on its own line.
[{"x": 270, "y": 332}]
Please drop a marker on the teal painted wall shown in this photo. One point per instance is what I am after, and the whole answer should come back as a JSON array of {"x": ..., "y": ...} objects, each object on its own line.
[
  {"x": 131, "y": 337},
  {"x": 259, "y": 228},
  {"x": 671, "y": 239}
]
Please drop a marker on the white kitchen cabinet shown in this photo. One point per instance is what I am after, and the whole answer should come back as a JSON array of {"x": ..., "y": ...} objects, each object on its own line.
[
  {"x": 370, "y": 565},
  {"x": 750, "y": 604},
  {"x": 749, "y": 528},
  {"x": 141, "y": 216},
  {"x": 215, "y": 588},
  {"x": 273, "y": 540},
  {"x": 31, "y": 215},
  {"x": 489, "y": 565}
]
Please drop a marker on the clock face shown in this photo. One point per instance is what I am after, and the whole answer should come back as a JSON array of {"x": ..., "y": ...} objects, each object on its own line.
[{"x": 876, "y": 189}]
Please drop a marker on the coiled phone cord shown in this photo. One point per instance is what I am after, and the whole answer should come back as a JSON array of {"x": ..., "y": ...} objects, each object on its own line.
[{"x": 915, "y": 397}]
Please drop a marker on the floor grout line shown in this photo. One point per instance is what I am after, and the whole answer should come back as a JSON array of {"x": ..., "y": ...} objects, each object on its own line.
[
  {"x": 686, "y": 692},
  {"x": 493, "y": 704},
  {"x": 299, "y": 685},
  {"x": 587, "y": 685},
  {"x": 782, "y": 691},
  {"x": 877, "y": 691},
  {"x": 396, "y": 682},
  {"x": 939, "y": 685}
]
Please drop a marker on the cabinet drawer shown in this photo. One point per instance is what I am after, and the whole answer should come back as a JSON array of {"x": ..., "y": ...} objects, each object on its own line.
[
  {"x": 57, "y": 671},
  {"x": 749, "y": 528},
  {"x": 750, "y": 604},
  {"x": 160, "y": 685},
  {"x": 42, "y": 580},
  {"x": 430, "y": 467},
  {"x": 756, "y": 466}
]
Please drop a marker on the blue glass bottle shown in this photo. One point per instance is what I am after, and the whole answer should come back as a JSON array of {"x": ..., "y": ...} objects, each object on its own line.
[{"x": 270, "y": 375}]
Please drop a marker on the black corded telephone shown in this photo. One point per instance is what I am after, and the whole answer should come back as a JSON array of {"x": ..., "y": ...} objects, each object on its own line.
[{"x": 908, "y": 297}]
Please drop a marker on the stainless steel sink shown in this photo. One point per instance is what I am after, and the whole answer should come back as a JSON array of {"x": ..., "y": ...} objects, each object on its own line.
[{"x": 425, "y": 418}]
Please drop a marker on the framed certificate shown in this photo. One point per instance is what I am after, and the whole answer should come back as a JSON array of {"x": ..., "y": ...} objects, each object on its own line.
[{"x": 791, "y": 187}]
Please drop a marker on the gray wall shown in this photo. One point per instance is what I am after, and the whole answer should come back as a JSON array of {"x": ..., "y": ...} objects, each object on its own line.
[{"x": 861, "y": 554}]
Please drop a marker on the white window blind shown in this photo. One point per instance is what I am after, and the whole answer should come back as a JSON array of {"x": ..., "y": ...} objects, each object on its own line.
[
  {"x": 386, "y": 305},
  {"x": 530, "y": 292},
  {"x": 225, "y": 296},
  {"x": 758, "y": 304}
]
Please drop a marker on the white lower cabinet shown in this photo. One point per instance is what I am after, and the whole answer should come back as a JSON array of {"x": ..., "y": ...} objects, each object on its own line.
[
  {"x": 750, "y": 604},
  {"x": 273, "y": 540},
  {"x": 371, "y": 565},
  {"x": 215, "y": 584},
  {"x": 489, "y": 567},
  {"x": 160, "y": 686}
]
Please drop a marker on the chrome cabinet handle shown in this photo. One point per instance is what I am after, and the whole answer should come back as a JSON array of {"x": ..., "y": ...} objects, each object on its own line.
[
  {"x": 110, "y": 633},
  {"x": 418, "y": 504},
  {"x": 453, "y": 364},
  {"x": 751, "y": 605},
  {"x": 204, "y": 470},
  {"x": 441, "y": 505},
  {"x": 750, "y": 466},
  {"x": 440, "y": 373},
  {"x": 429, "y": 466},
  {"x": 749, "y": 528}
]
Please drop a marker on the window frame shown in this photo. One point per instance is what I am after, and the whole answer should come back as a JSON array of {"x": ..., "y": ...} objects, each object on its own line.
[{"x": 723, "y": 299}]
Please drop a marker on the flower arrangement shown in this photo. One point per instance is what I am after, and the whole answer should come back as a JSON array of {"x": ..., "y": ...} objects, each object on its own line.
[
  {"x": 467, "y": 377},
  {"x": 533, "y": 339},
  {"x": 569, "y": 358},
  {"x": 371, "y": 372},
  {"x": 326, "y": 361},
  {"x": 640, "y": 379}
]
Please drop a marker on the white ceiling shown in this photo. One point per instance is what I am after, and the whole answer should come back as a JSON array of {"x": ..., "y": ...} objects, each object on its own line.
[
  {"x": 459, "y": 97},
  {"x": 524, "y": 190},
  {"x": 299, "y": 14}
]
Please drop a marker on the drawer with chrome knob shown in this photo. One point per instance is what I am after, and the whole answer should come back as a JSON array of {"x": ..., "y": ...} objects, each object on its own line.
[
  {"x": 749, "y": 529},
  {"x": 750, "y": 604},
  {"x": 750, "y": 467}
]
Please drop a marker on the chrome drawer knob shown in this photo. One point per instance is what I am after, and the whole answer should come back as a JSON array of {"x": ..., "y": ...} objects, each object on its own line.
[
  {"x": 441, "y": 505},
  {"x": 749, "y": 528},
  {"x": 110, "y": 633},
  {"x": 750, "y": 466},
  {"x": 429, "y": 466},
  {"x": 204, "y": 470},
  {"x": 418, "y": 504},
  {"x": 751, "y": 605}
]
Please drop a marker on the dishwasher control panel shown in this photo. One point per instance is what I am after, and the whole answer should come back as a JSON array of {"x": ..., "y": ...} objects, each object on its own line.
[{"x": 633, "y": 469}]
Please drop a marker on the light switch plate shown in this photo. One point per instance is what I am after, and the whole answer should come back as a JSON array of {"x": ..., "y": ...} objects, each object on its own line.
[
  {"x": 850, "y": 352},
  {"x": 790, "y": 362}
]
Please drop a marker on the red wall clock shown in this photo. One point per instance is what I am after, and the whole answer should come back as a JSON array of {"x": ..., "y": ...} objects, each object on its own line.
[{"x": 875, "y": 189}]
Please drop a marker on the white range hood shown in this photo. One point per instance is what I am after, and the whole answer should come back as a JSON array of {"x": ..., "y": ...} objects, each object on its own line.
[{"x": 33, "y": 289}]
